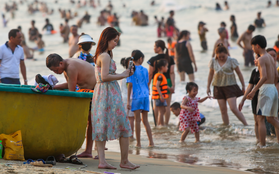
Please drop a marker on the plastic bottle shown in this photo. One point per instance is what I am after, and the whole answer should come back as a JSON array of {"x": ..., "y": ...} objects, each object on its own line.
[{"x": 1, "y": 149}]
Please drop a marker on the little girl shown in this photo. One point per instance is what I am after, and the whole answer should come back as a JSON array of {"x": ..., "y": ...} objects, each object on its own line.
[
  {"x": 160, "y": 89},
  {"x": 138, "y": 82},
  {"x": 125, "y": 63},
  {"x": 189, "y": 114}
]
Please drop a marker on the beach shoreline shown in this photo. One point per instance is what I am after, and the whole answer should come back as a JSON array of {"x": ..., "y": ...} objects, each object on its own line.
[{"x": 148, "y": 165}]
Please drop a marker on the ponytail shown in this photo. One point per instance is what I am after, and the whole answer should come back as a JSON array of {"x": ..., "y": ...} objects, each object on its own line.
[
  {"x": 159, "y": 64},
  {"x": 162, "y": 45},
  {"x": 220, "y": 48}
]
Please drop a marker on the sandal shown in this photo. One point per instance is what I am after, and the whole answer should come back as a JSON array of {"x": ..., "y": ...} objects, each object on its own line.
[
  {"x": 40, "y": 79},
  {"x": 50, "y": 160},
  {"x": 62, "y": 159},
  {"x": 74, "y": 160}
]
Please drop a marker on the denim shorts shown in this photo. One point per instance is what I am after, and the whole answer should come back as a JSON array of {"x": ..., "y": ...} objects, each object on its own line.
[{"x": 158, "y": 102}]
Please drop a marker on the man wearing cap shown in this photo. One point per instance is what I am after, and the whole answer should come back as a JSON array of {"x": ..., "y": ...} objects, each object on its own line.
[
  {"x": 85, "y": 43},
  {"x": 77, "y": 73},
  {"x": 11, "y": 58}
]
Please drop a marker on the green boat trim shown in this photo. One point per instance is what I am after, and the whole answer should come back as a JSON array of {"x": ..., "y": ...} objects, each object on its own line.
[{"x": 27, "y": 89}]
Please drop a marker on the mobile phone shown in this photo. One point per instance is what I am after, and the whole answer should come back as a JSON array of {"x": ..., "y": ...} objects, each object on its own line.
[{"x": 131, "y": 63}]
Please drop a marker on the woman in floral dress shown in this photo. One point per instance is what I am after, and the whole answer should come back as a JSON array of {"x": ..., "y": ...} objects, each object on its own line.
[{"x": 109, "y": 119}]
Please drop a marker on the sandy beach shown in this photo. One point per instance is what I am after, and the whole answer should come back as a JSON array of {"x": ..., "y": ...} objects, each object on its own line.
[{"x": 148, "y": 165}]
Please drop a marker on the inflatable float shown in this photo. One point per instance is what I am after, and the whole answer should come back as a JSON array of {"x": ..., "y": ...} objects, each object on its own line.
[{"x": 52, "y": 123}]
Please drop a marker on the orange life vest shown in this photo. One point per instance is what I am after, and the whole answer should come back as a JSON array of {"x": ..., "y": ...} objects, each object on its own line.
[
  {"x": 86, "y": 90},
  {"x": 163, "y": 87},
  {"x": 171, "y": 46}
]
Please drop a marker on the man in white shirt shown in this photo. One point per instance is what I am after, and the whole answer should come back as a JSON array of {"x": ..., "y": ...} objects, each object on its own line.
[{"x": 11, "y": 58}]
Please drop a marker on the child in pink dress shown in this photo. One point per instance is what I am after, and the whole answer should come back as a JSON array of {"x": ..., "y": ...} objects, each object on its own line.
[{"x": 189, "y": 114}]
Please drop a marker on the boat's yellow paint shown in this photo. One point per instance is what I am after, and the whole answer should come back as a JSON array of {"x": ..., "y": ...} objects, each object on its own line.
[{"x": 50, "y": 125}]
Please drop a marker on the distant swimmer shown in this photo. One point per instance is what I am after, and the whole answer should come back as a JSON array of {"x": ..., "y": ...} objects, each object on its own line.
[
  {"x": 28, "y": 52},
  {"x": 102, "y": 19},
  {"x": 33, "y": 32},
  {"x": 65, "y": 31},
  {"x": 40, "y": 44},
  {"x": 143, "y": 18},
  {"x": 22, "y": 35},
  {"x": 268, "y": 4},
  {"x": 248, "y": 53},
  {"x": 259, "y": 22},
  {"x": 223, "y": 25},
  {"x": 222, "y": 39},
  {"x": 4, "y": 20},
  {"x": 234, "y": 33},
  {"x": 218, "y": 7},
  {"x": 170, "y": 25},
  {"x": 73, "y": 40},
  {"x": 226, "y": 5},
  {"x": 48, "y": 27},
  {"x": 152, "y": 3},
  {"x": 202, "y": 31}
]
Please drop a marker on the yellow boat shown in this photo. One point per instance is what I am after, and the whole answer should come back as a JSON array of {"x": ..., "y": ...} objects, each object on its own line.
[{"x": 52, "y": 123}]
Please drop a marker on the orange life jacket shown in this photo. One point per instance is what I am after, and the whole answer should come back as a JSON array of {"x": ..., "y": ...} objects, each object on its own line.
[
  {"x": 86, "y": 90},
  {"x": 163, "y": 87},
  {"x": 171, "y": 46}
]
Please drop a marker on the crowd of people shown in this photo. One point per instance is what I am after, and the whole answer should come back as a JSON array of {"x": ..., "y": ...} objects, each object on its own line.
[{"x": 116, "y": 113}]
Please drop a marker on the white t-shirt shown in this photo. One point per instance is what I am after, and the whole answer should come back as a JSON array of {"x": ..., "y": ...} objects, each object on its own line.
[
  {"x": 124, "y": 91},
  {"x": 10, "y": 61}
]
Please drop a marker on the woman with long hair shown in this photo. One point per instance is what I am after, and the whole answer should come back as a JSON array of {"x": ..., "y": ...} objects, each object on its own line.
[
  {"x": 109, "y": 118},
  {"x": 185, "y": 56},
  {"x": 159, "y": 48}
]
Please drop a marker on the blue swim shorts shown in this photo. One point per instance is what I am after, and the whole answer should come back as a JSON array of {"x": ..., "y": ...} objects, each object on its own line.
[
  {"x": 140, "y": 104},
  {"x": 158, "y": 102}
]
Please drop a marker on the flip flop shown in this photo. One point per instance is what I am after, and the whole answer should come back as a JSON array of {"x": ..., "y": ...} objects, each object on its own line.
[
  {"x": 74, "y": 160},
  {"x": 62, "y": 159},
  {"x": 28, "y": 161},
  {"x": 50, "y": 160},
  {"x": 40, "y": 79}
]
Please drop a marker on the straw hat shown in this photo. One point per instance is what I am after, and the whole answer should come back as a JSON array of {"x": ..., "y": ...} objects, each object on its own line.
[{"x": 85, "y": 38}]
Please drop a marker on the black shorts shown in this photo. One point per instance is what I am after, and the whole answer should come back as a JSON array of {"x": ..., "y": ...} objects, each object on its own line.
[
  {"x": 184, "y": 66},
  {"x": 225, "y": 92},
  {"x": 204, "y": 45}
]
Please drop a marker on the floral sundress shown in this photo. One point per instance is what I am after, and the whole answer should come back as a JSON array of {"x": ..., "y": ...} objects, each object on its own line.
[{"x": 109, "y": 118}]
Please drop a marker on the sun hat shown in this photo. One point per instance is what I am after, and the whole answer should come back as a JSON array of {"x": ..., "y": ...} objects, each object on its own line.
[{"x": 85, "y": 38}]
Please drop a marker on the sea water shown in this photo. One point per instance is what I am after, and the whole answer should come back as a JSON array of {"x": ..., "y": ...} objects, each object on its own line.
[{"x": 231, "y": 146}]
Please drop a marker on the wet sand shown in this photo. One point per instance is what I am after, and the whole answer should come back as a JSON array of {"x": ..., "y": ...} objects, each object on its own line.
[{"x": 148, "y": 165}]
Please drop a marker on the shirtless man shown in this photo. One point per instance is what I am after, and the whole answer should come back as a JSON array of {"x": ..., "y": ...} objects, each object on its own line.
[
  {"x": 268, "y": 96},
  {"x": 65, "y": 31},
  {"x": 28, "y": 52},
  {"x": 73, "y": 40},
  {"x": 222, "y": 39},
  {"x": 247, "y": 47},
  {"x": 78, "y": 73}
]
